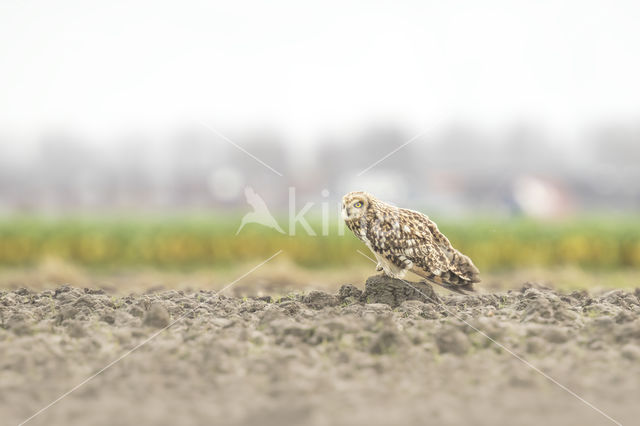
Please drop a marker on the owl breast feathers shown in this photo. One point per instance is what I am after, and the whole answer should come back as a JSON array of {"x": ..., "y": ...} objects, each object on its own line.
[{"x": 405, "y": 240}]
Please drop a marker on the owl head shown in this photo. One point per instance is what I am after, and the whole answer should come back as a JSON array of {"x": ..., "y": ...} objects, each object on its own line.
[{"x": 355, "y": 205}]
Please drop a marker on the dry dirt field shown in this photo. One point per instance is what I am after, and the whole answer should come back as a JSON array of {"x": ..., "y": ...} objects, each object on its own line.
[{"x": 385, "y": 356}]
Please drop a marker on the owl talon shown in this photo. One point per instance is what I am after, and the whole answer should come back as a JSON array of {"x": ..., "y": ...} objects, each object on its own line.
[{"x": 379, "y": 267}]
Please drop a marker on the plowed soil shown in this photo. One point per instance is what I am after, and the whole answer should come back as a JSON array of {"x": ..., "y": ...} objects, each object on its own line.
[{"x": 380, "y": 357}]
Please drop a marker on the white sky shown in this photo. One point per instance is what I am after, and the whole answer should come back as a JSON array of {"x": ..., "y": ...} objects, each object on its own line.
[{"x": 306, "y": 68}]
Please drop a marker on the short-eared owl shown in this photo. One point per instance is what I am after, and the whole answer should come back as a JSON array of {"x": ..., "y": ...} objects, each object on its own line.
[{"x": 405, "y": 240}]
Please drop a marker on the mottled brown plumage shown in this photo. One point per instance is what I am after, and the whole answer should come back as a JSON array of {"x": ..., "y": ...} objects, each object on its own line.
[{"x": 405, "y": 240}]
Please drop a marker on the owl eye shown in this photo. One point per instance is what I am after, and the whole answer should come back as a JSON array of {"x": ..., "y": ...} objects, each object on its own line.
[{"x": 358, "y": 204}]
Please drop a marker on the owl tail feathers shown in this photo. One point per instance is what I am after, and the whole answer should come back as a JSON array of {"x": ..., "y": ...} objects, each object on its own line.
[
  {"x": 461, "y": 270},
  {"x": 458, "y": 288},
  {"x": 449, "y": 281}
]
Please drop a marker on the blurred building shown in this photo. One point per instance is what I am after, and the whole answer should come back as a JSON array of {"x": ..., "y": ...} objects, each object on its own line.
[{"x": 458, "y": 170}]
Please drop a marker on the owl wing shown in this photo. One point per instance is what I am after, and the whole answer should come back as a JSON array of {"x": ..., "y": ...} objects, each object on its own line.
[
  {"x": 406, "y": 240},
  {"x": 419, "y": 244},
  {"x": 412, "y": 235},
  {"x": 459, "y": 264}
]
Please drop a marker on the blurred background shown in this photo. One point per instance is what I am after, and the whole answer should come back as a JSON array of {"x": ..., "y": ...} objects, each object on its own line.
[{"x": 129, "y": 132}]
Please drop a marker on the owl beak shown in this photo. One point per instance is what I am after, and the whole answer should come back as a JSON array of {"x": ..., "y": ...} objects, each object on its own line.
[{"x": 345, "y": 216}]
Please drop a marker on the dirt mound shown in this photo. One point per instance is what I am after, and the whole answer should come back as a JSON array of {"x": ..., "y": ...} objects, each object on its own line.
[
  {"x": 393, "y": 292},
  {"x": 388, "y": 354}
]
